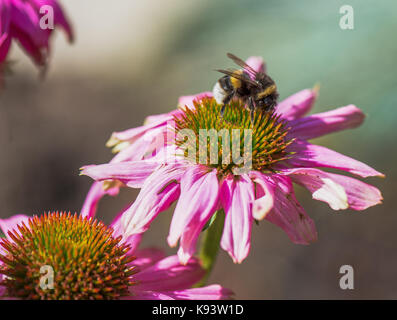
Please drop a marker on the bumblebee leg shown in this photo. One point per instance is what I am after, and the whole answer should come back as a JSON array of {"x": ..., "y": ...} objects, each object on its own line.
[
  {"x": 223, "y": 109},
  {"x": 251, "y": 105},
  {"x": 226, "y": 101}
]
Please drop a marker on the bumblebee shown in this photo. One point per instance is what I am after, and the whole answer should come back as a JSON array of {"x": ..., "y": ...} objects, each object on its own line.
[{"x": 256, "y": 89}]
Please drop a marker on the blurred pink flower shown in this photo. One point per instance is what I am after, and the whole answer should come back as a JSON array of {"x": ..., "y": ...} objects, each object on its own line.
[
  {"x": 20, "y": 20},
  {"x": 154, "y": 276},
  {"x": 259, "y": 194}
]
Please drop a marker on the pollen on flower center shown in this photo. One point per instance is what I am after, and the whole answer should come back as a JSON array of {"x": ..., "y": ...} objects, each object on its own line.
[
  {"x": 263, "y": 141},
  {"x": 86, "y": 260}
]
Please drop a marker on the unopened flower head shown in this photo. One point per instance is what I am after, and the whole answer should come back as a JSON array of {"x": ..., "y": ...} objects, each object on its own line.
[{"x": 89, "y": 260}]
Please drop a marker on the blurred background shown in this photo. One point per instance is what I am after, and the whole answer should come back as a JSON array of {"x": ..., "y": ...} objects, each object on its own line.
[{"x": 135, "y": 58}]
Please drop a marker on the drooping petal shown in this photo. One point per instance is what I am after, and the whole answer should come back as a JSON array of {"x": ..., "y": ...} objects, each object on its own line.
[
  {"x": 340, "y": 192},
  {"x": 5, "y": 44},
  {"x": 310, "y": 155},
  {"x": 38, "y": 54},
  {"x": 5, "y": 39},
  {"x": 288, "y": 214},
  {"x": 26, "y": 28},
  {"x": 131, "y": 173},
  {"x": 297, "y": 105},
  {"x": 212, "y": 292},
  {"x": 158, "y": 192},
  {"x": 196, "y": 205},
  {"x": 264, "y": 201},
  {"x": 187, "y": 101},
  {"x": 5, "y": 16},
  {"x": 147, "y": 257},
  {"x": 161, "y": 118},
  {"x": 95, "y": 193},
  {"x": 147, "y": 295},
  {"x": 360, "y": 195},
  {"x": 321, "y": 186},
  {"x": 25, "y": 18},
  {"x": 59, "y": 15},
  {"x": 324, "y": 123},
  {"x": 237, "y": 197},
  {"x": 132, "y": 240},
  {"x": 169, "y": 274},
  {"x": 133, "y": 134}
]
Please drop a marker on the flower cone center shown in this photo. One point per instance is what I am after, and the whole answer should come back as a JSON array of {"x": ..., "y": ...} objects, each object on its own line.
[
  {"x": 225, "y": 142},
  {"x": 64, "y": 256}
]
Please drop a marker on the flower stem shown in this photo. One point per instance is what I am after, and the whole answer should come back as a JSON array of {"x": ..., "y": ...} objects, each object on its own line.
[{"x": 210, "y": 245}]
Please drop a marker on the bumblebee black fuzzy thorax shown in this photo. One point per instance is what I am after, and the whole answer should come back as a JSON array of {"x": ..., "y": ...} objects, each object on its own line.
[{"x": 255, "y": 89}]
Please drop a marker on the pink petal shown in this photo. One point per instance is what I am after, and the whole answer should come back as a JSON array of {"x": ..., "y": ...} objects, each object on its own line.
[
  {"x": 359, "y": 194},
  {"x": 37, "y": 53},
  {"x": 237, "y": 197},
  {"x": 264, "y": 195},
  {"x": 25, "y": 19},
  {"x": 5, "y": 44},
  {"x": 161, "y": 118},
  {"x": 95, "y": 193},
  {"x": 212, "y": 292},
  {"x": 136, "y": 151},
  {"x": 11, "y": 223},
  {"x": 197, "y": 203},
  {"x": 147, "y": 295},
  {"x": 321, "y": 186},
  {"x": 168, "y": 275},
  {"x": 187, "y": 101},
  {"x": 132, "y": 240},
  {"x": 25, "y": 28},
  {"x": 144, "y": 147},
  {"x": 310, "y": 155},
  {"x": 288, "y": 214},
  {"x": 297, "y": 105},
  {"x": 340, "y": 192},
  {"x": 147, "y": 257},
  {"x": 5, "y": 39},
  {"x": 324, "y": 123},
  {"x": 131, "y": 173},
  {"x": 5, "y": 15},
  {"x": 131, "y": 135},
  {"x": 59, "y": 16},
  {"x": 256, "y": 63},
  {"x": 158, "y": 192}
]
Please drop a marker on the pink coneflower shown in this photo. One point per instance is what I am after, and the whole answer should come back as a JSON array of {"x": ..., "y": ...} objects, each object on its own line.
[
  {"x": 89, "y": 260},
  {"x": 280, "y": 156},
  {"x": 20, "y": 20}
]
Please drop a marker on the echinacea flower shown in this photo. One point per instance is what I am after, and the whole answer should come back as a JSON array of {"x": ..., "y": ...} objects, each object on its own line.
[
  {"x": 84, "y": 259},
  {"x": 20, "y": 21},
  {"x": 279, "y": 155}
]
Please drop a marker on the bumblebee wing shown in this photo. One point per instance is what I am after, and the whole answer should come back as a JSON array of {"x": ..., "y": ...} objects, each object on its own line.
[
  {"x": 233, "y": 74},
  {"x": 242, "y": 64}
]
